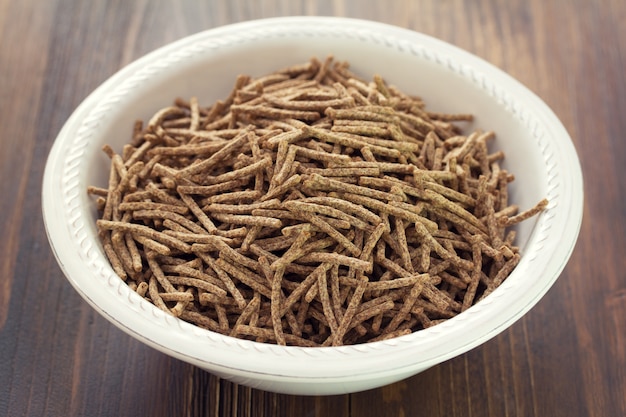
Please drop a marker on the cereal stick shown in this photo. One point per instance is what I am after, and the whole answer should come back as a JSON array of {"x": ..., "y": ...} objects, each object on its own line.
[
  {"x": 440, "y": 250},
  {"x": 197, "y": 211},
  {"x": 320, "y": 183},
  {"x": 504, "y": 272},
  {"x": 242, "y": 208},
  {"x": 407, "y": 305},
  {"x": 144, "y": 231},
  {"x": 218, "y": 156},
  {"x": 198, "y": 283},
  {"x": 335, "y": 258},
  {"x": 320, "y": 155},
  {"x": 294, "y": 252},
  {"x": 509, "y": 221},
  {"x": 326, "y": 227},
  {"x": 251, "y": 307},
  {"x": 225, "y": 278},
  {"x": 248, "y": 220},
  {"x": 307, "y": 206},
  {"x": 347, "y": 207},
  {"x": 282, "y": 188},
  {"x": 200, "y": 320},
  {"x": 211, "y": 190},
  {"x": 231, "y": 197},
  {"x": 239, "y": 174},
  {"x": 246, "y": 276},
  {"x": 274, "y": 113},
  {"x": 193, "y": 272},
  {"x": 157, "y": 272},
  {"x": 343, "y": 172},
  {"x": 168, "y": 215},
  {"x": 322, "y": 285},
  {"x": 148, "y": 205},
  {"x": 113, "y": 257},
  {"x": 304, "y": 286},
  {"x": 310, "y": 105},
  {"x": 149, "y": 244},
  {"x": 441, "y": 201},
  {"x": 350, "y": 311},
  {"x": 118, "y": 242},
  {"x": 153, "y": 293}
]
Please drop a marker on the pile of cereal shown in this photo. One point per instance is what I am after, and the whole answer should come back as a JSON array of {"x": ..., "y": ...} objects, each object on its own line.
[{"x": 309, "y": 208}]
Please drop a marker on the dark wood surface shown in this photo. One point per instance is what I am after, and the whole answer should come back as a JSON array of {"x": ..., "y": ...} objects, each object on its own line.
[{"x": 566, "y": 357}]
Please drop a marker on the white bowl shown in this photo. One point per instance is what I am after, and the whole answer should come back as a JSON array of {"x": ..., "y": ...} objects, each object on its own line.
[{"x": 538, "y": 148}]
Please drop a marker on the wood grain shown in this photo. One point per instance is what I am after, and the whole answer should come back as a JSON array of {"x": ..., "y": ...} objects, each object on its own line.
[{"x": 566, "y": 357}]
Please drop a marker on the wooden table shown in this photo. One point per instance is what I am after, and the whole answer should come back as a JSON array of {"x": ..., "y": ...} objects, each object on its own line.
[{"x": 567, "y": 357}]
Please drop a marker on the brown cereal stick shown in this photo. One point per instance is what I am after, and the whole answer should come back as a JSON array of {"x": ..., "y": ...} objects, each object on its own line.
[
  {"x": 326, "y": 184},
  {"x": 343, "y": 172},
  {"x": 197, "y": 283},
  {"x": 285, "y": 168},
  {"x": 181, "y": 304},
  {"x": 442, "y": 202},
  {"x": 134, "y": 253},
  {"x": 153, "y": 293},
  {"x": 168, "y": 215},
  {"x": 197, "y": 211},
  {"x": 354, "y": 141},
  {"x": 309, "y": 207},
  {"x": 327, "y": 227},
  {"x": 158, "y": 274},
  {"x": 503, "y": 272},
  {"x": 294, "y": 252},
  {"x": 282, "y": 188},
  {"x": 274, "y": 113},
  {"x": 509, "y": 221},
  {"x": 193, "y": 272},
  {"x": 248, "y": 220},
  {"x": 407, "y": 305},
  {"x": 335, "y": 258},
  {"x": 153, "y": 245},
  {"x": 246, "y": 276},
  {"x": 400, "y": 236},
  {"x": 252, "y": 306},
  {"x": 348, "y": 315},
  {"x": 308, "y": 104},
  {"x": 211, "y": 190},
  {"x": 389, "y": 209},
  {"x": 347, "y": 207},
  {"x": 239, "y": 174},
  {"x": 304, "y": 286},
  {"x": 219, "y": 244},
  {"x": 159, "y": 116},
  {"x": 269, "y": 335},
  {"x": 201, "y": 320},
  {"x": 231, "y": 197},
  {"x": 440, "y": 250},
  {"x": 319, "y": 155},
  {"x": 242, "y": 208},
  {"x": 118, "y": 243},
  {"x": 162, "y": 195},
  {"x": 225, "y": 278},
  {"x": 148, "y": 205},
  {"x": 218, "y": 156},
  {"x": 146, "y": 231},
  {"x": 113, "y": 257},
  {"x": 450, "y": 193}
]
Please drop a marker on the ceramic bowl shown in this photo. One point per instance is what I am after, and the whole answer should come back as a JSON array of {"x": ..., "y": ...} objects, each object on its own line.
[{"x": 538, "y": 151}]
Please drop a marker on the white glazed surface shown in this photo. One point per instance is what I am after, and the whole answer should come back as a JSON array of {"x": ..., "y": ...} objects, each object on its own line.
[{"x": 539, "y": 152}]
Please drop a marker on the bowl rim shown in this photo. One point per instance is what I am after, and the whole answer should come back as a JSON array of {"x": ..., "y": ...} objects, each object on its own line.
[{"x": 338, "y": 363}]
